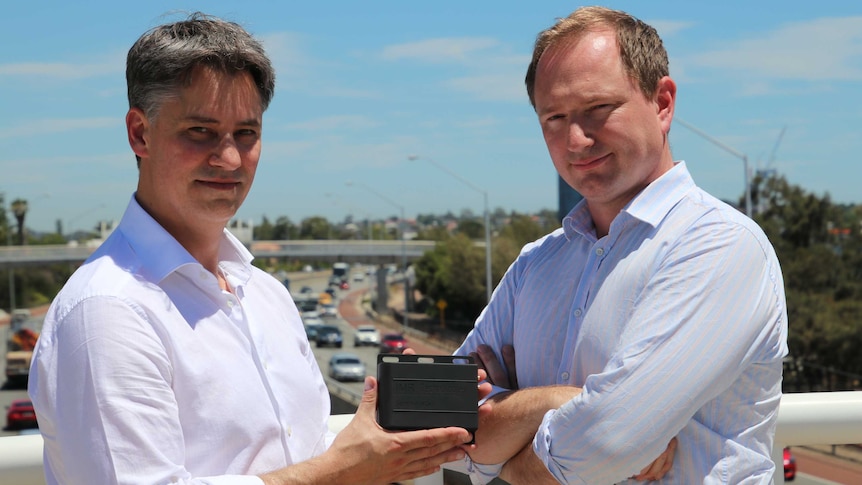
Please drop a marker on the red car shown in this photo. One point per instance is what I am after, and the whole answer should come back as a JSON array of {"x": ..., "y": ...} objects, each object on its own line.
[
  {"x": 789, "y": 466},
  {"x": 21, "y": 415},
  {"x": 392, "y": 343}
]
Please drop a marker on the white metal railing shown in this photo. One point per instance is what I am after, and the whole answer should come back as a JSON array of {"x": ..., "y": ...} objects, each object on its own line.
[{"x": 817, "y": 418}]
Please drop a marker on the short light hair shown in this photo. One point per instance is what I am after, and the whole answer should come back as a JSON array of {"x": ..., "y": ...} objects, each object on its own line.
[{"x": 642, "y": 53}]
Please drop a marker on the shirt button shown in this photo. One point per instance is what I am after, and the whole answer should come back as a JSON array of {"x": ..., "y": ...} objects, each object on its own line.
[
  {"x": 600, "y": 251},
  {"x": 578, "y": 312},
  {"x": 565, "y": 376},
  {"x": 289, "y": 431}
]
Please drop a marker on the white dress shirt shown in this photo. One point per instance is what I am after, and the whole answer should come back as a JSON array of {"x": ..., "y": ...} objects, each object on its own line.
[
  {"x": 674, "y": 324},
  {"x": 146, "y": 372}
]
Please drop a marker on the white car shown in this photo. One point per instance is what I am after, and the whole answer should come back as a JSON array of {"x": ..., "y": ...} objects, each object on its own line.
[
  {"x": 366, "y": 335},
  {"x": 328, "y": 310},
  {"x": 358, "y": 277},
  {"x": 311, "y": 320}
]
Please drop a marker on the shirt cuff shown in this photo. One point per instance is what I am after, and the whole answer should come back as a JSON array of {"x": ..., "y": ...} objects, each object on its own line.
[
  {"x": 542, "y": 441},
  {"x": 494, "y": 391},
  {"x": 481, "y": 474}
]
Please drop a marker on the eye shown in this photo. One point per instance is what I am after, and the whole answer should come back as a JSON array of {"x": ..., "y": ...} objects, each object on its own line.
[
  {"x": 199, "y": 133},
  {"x": 246, "y": 136}
]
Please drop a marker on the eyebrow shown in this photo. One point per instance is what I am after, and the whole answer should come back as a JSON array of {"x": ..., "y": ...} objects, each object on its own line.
[
  {"x": 588, "y": 100},
  {"x": 207, "y": 120}
]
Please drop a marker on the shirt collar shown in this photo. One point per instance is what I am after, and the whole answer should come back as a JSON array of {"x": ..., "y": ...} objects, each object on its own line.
[
  {"x": 161, "y": 254},
  {"x": 651, "y": 205}
]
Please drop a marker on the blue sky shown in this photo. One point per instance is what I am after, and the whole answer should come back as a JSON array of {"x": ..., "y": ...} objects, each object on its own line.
[{"x": 363, "y": 85}]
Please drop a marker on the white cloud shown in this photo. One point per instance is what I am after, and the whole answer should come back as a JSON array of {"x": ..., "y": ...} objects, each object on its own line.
[
  {"x": 492, "y": 87},
  {"x": 441, "y": 50},
  {"x": 668, "y": 28},
  {"x": 816, "y": 50},
  {"x": 338, "y": 122},
  {"x": 109, "y": 65},
  {"x": 60, "y": 70},
  {"x": 44, "y": 127},
  {"x": 479, "y": 123}
]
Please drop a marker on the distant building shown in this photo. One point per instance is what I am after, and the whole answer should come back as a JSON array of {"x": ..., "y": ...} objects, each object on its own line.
[
  {"x": 568, "y": 198},
  {"x": 242, "y": 230}
]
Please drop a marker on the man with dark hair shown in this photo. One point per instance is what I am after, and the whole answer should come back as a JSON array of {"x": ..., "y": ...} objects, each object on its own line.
[
  {"x": 655, "y": 315},
  {"x": 168, "y": 357}
]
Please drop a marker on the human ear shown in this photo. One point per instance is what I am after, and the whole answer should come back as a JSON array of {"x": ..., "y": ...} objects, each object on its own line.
[
  {"x": 665, "y": 99},
  {"x": 137, "y": 127}
]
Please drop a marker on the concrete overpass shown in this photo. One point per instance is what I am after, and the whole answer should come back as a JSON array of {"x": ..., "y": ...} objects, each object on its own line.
[{"x": 370, "y": 252}]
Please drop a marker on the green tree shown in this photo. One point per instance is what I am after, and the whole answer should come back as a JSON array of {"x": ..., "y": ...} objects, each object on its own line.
[
  {"x": 818, "y": 246},
  {"x": 472, "y": 228},
  {"x": 263, "y": 231},
  {"x": 284, "y": 229},
  {"x": 454, "y": 271},
  {"x": 316, "y": 227}
]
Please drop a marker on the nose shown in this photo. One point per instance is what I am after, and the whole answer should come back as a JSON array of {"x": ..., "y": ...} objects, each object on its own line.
[
  {"x": 578, "y": 138},
  {"x": 226, "y": 155}
]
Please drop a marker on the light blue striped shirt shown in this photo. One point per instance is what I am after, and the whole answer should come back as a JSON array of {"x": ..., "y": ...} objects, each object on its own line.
[{"x": 674, "y": 324}]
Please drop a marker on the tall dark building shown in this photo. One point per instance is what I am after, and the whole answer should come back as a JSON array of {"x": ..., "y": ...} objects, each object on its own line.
[{"x": 568, "y": 197}]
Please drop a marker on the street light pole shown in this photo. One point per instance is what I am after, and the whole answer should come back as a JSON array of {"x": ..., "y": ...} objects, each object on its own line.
[
  {"x": 10, "y": 270},
  {"x": 733, "y": 152},
  {"x": 488, "y": 279},
  {"x": 406, "y": 319}
]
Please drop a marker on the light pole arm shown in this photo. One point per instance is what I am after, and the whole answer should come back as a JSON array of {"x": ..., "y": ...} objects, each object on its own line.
[
  {"x": 453, "y": 174},
  {"x": 488, "y": 279},
  {"x": 733, "y": 152}
]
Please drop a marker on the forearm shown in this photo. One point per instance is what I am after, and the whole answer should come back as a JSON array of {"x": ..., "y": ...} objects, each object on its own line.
[
  {"x": 526, "y": 468},
  {"x": 508, "y": 421},
  {"x": 316, "y": 471}
]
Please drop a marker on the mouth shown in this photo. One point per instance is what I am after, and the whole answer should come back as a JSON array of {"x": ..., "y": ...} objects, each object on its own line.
[
  {"x": 590, "y": 163},
  {"x": 219, "y": 184}
]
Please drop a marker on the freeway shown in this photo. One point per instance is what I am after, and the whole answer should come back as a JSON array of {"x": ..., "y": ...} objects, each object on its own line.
[{"x": 816, "y": 465}]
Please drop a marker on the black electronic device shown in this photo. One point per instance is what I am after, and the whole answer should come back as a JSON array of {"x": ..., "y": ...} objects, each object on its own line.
[{"x": 427, "y": 391}]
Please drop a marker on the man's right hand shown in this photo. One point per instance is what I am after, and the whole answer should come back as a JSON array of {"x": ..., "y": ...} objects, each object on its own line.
[{"x": 363, "y": 453}]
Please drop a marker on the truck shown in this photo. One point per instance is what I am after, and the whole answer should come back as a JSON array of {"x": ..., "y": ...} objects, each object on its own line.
[
  {"x": 19, "y": 347},
  {"x": 339, "y": 270}
]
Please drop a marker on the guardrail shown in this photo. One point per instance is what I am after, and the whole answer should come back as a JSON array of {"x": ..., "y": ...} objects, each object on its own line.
[
  {"x": 350, "y": 251},
  {"x": 818, "y": 418}
]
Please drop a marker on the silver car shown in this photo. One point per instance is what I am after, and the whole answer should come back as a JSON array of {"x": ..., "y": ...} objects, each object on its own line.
[
  {"x": 346, "y": 367},
  {"x": 366, "y": 335}
]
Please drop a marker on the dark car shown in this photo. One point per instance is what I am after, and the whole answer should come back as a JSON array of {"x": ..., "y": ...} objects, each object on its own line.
[
  {"x": 21, "y": 415},
  {"x": 328, "y": 335},
  {"x": 311, "y": 331},
  {"x": 789, "y": 466},
  {"x": 392, "y": 343}
]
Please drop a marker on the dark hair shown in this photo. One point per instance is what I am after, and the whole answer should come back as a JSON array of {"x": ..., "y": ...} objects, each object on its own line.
[
  {"x": 642, "y": 53},
  {"x": 161, "y": 61}
]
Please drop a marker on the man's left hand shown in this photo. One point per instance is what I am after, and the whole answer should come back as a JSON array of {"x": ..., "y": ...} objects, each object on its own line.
[{"x": 499, "y": 374}]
